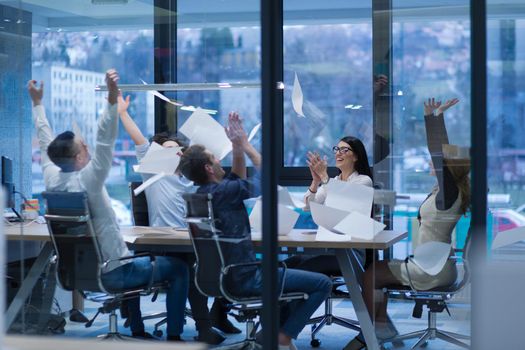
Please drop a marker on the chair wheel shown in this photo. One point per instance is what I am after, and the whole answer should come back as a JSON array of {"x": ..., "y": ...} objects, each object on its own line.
[
  {"x": 158, "y": 333},
  {"x": 424, "y": 345},
  {"x": 315, "y": 343}
]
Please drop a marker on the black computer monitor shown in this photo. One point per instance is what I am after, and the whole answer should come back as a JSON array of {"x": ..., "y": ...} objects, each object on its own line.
[{"x": 7, "y": 182}]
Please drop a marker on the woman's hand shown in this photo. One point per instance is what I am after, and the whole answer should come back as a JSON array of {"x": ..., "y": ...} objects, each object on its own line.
[
  {"x": 317, "y": 166},
  {"x": 431, "y": 105},
  {"x": 123, "y": 104},
  {"x": 447, "y": 105}
]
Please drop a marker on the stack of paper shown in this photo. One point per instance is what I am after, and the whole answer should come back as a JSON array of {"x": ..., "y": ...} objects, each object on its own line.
[{"x": 346, "y": 213}]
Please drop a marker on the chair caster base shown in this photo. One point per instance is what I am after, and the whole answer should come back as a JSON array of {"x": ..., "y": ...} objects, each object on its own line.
[{"x": 315, "y": 343}]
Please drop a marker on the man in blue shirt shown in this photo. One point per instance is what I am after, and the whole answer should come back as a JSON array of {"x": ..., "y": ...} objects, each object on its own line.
[{"x": 200, "y": 165}]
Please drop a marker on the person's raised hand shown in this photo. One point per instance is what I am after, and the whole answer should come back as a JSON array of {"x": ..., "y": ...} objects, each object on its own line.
[
  {"x": 235, "y": 130},
  {"x": 123, "y": 104},
  {"x": 112, "y": 79},
  {"x": 447, "y": 105},
  {"x": 36, "y": 93},
  {"x": 380, "y": 82},
  {"x": 315, "y": 177},
  {"x": 318, "y": 165},
  {"x": 431, "y": 105}
]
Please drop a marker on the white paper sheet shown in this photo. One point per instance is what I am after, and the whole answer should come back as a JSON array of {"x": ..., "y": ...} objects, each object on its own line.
[
  {"x": 286, "y": 199},
  {"x": 326, "y": 235},
  {"x": 431, "y": 256},
  {"x": 254, "y": 131},
  {"x": 161, "y": 96},
  {"x": 148, "y": 183},
  {"x": 160, "y": 160},
  {"x": 297, "y": 97},
  {"x": 202, "y": 129},
  {"x": 508, "y": 237},
  {"x": 286, "y": 218},
  {"x": 325, "y": 216},
  {"x": 359, "y": 226},
  {"x": 193, "y": 109},
  {"x": 349, "y": 197}
]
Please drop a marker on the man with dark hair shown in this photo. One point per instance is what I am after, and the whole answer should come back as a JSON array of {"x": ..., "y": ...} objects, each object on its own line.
[
  {"x": 167, "y": 208},
  {"x": 67, "y": 166},
  {"x": 229, "y": 192}
]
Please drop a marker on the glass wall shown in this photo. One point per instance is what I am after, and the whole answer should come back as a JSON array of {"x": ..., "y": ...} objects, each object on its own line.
[{"x": 396, "y": 74}]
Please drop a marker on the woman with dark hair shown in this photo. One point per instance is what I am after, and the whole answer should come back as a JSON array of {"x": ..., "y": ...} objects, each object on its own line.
[
  {"x": 352, "y": 161},
  {"x": 437, "y": 216}
]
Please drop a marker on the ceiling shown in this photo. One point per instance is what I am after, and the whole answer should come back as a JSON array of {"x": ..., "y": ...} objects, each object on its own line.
[{"x": 77, "y": 15}]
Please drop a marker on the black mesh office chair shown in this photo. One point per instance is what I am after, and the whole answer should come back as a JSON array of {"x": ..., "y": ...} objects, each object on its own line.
[
  {"x": 436, "y": 301},
  {"x": 79, "y": 257},
  {"x": 211, "y": 272}
]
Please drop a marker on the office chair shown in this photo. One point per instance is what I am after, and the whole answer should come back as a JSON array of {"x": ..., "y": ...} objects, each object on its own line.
[
  {"x": 436, "y": 301},
  {"x": 212, "y": 273},
  {"x": 79, "y": 258},
  {"x": 383, "y": 201},
  {"x": 139, "y": 210}
]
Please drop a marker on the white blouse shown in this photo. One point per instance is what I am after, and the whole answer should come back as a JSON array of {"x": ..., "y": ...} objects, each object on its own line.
[{"x": 320, "y": 195}]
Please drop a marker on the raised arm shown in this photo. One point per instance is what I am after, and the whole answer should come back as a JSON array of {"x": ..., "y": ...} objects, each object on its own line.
[
  {"x": 43, "y": 130},
  {"x": 97, "y": 170},
  {"x": 436, "y": 138},
  {"x": 241, "y": 145},
  {"x": 130, "y": 126}
]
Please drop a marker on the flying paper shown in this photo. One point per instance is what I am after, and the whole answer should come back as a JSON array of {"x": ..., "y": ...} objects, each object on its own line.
[
  {"x": 508, "y": 237},
  {"x": 254, "y": 132},
  {"x": 193, "y": 109},
  {"x": 160, "y": 159},
  {"x": 431, "y": 256},
  {"x": 202, "y": 129},
  {"x": 161, "y": 96},
  {"x": 286, "y": 218},
  {"x": 297, "y": 97},
  {"x": 148, "y": 183}
]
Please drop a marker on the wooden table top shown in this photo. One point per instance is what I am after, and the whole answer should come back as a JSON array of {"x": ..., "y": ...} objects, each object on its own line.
[{"x": 143, "y": 235}]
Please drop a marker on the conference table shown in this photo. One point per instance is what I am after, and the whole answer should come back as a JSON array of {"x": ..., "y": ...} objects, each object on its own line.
[{"x": 167, "y": 239}]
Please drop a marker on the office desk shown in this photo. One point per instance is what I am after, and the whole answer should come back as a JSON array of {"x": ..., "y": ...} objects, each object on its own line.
[{"x": 165, "y": 239}]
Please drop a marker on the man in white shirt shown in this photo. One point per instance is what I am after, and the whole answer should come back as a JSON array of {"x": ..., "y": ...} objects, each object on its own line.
[
  {"x": 68, "y": 166},
  {"x": 166, "y": 207}
]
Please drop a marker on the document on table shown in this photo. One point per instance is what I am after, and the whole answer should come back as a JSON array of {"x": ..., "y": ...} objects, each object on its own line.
[
  {"x": 297, "y": 97},
  {"x": 326, "y": 235},
  {"x": 359, "y": 226},
  {"x": 325, "y": 216},
  {"x": 508, "y": 237},
  {"x": 351, "y": 197},
  {"x": 286, "y": 199},
  {"x": 286, "y": 218},
  {"x": 431, "y": 256}
]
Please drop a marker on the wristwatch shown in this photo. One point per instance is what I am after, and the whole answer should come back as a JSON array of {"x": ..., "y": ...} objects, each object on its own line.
[{"x": 324, "y": 182}]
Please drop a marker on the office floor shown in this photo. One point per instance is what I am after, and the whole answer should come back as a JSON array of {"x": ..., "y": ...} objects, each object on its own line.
[{"x": 332, "y": 337}]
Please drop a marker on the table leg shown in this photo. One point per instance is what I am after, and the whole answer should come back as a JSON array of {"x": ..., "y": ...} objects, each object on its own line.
[
  {"x": 349, "y": 265},
  {"x": 28, "y": 284}
]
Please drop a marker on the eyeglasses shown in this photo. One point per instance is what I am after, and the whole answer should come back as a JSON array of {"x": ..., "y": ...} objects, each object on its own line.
[{"x": 342, "y": 150}]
